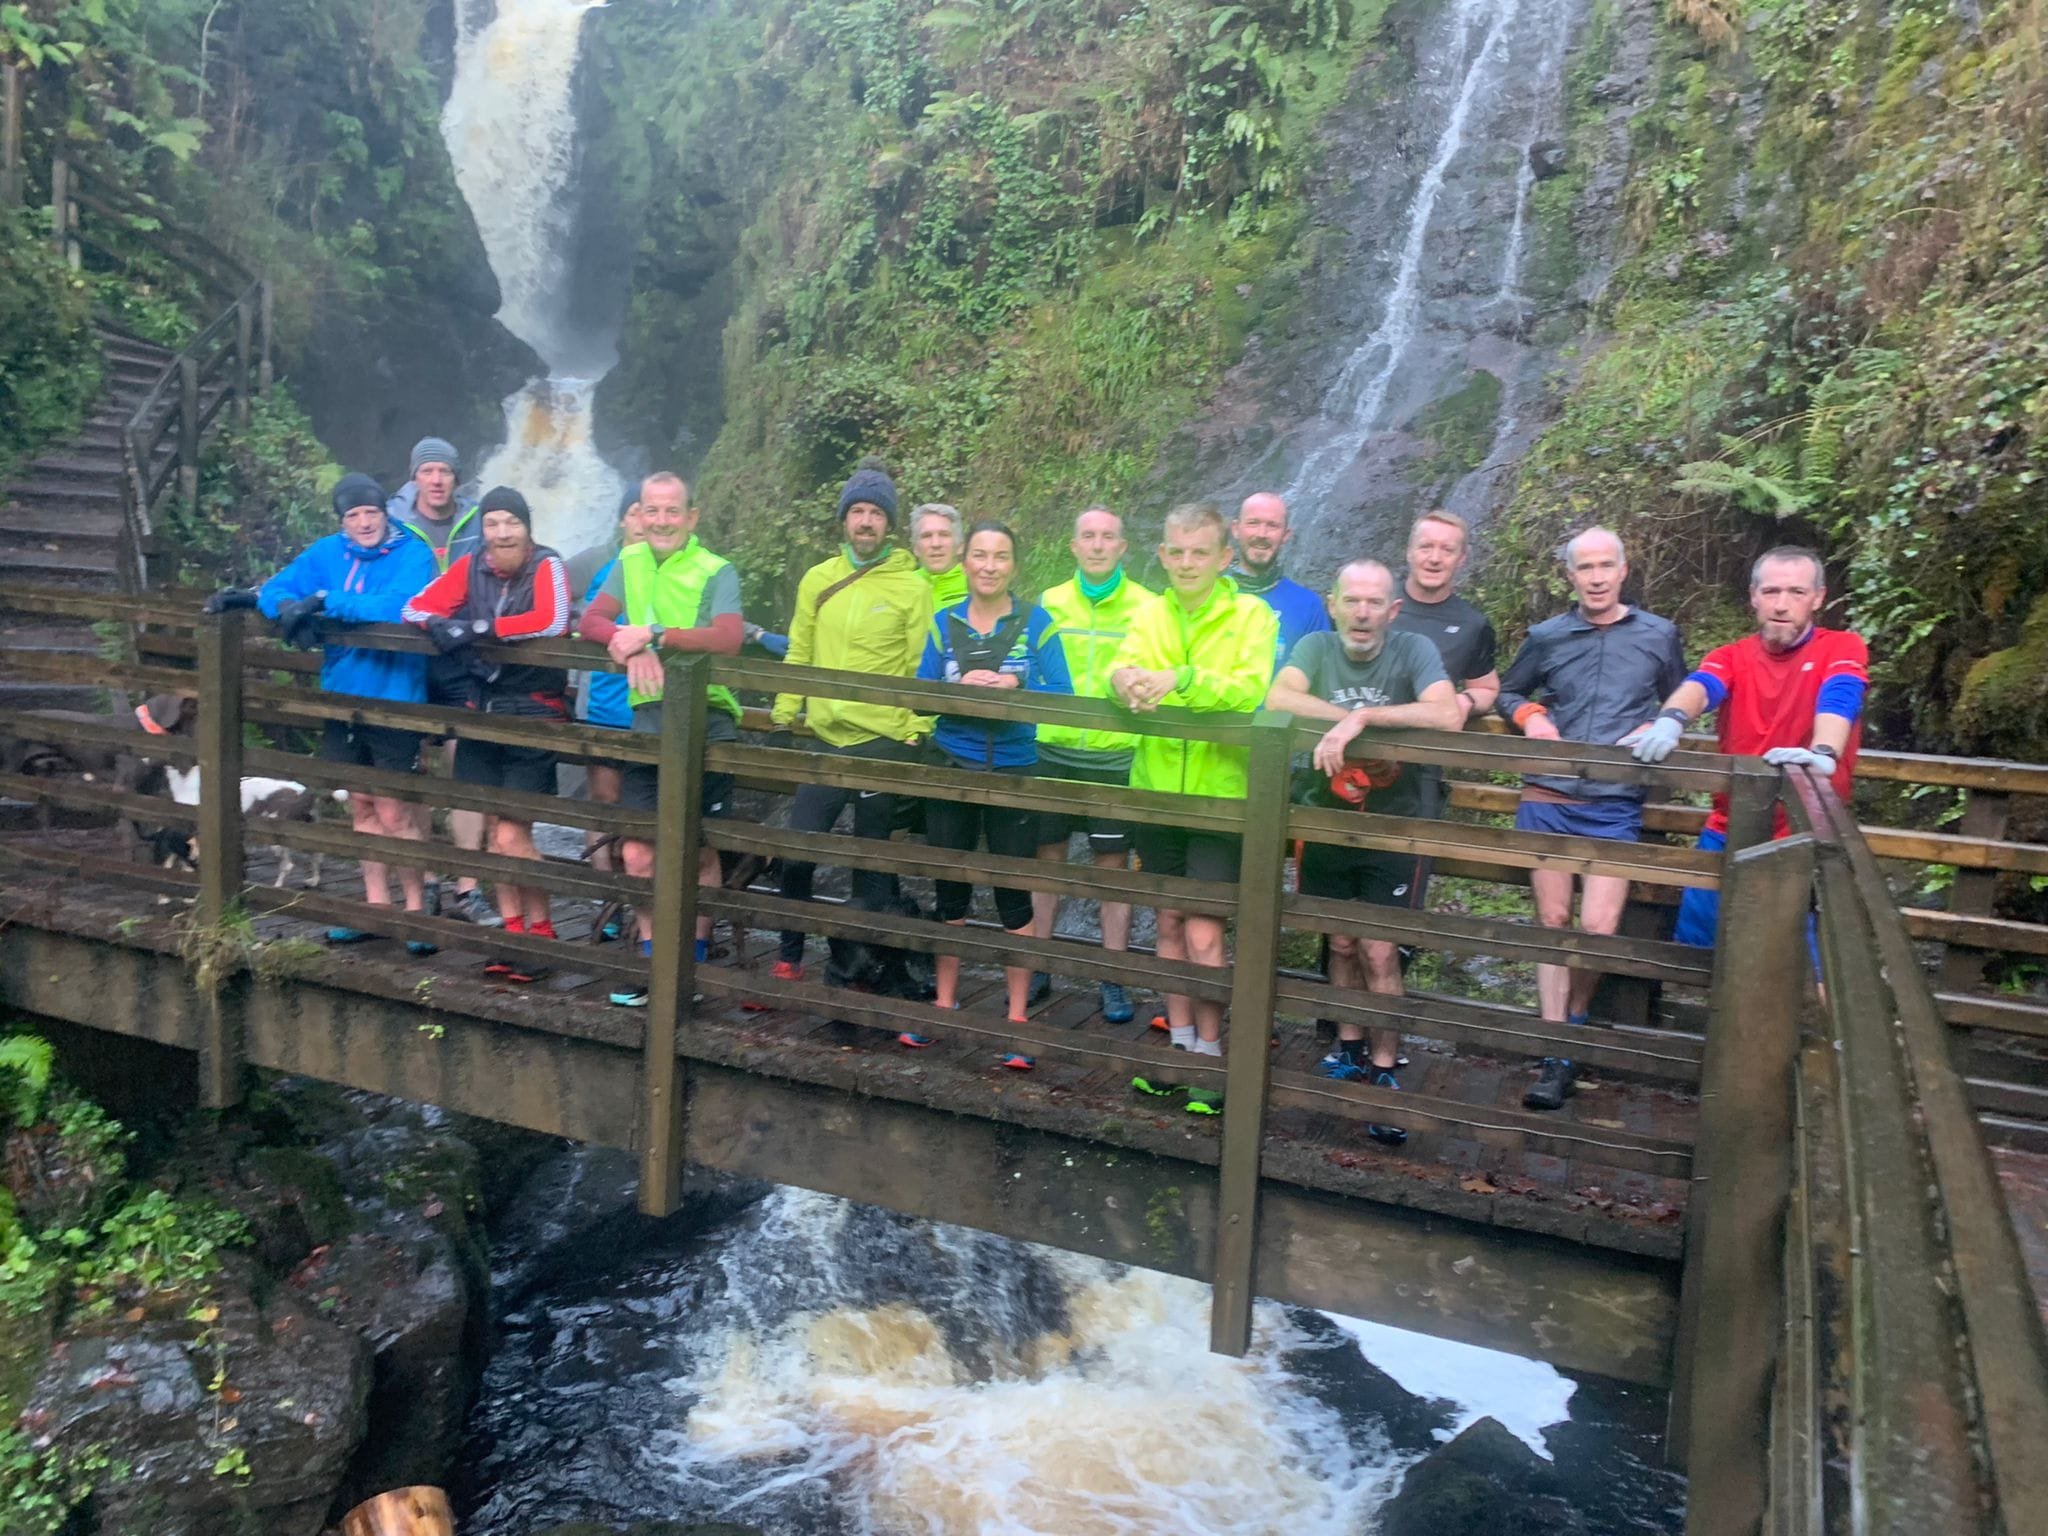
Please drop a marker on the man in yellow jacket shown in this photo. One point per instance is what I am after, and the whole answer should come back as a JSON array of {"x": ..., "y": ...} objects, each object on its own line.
[
  {"x": 1093, "y": 612},
  {"x": 1204, "y": 645},
  {"x": 867, "y": 609}
]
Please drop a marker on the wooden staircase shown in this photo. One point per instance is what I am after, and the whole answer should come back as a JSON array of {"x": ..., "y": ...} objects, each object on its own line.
[{"x": 60, "y": 525}]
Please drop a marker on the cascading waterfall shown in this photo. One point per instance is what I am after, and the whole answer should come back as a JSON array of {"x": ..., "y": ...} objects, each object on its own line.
[
  {"x": 1360, "y": 393},
  {"x": 510, "y": 127}
]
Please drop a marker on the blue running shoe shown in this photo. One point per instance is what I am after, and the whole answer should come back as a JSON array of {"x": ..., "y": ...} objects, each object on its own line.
[
  {"x": 913, "y": 1040},
  {"x": 348, "y": 936},
  {"x": 419, "y": 949},
  {"x": 1341, "y": 1068},
  {"x": 1386, "y": 1135},
  {"x": 629, "y": 997},
  {"x": 1116, "y": 1004},
  {"x": 1016, "y": 1061}
]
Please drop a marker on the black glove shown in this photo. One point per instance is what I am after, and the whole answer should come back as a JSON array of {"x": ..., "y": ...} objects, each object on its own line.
[
  {"x": 299, "y": 621},
  {"x": 229, "y": 598},
  {"x": 451, "y": 635}
]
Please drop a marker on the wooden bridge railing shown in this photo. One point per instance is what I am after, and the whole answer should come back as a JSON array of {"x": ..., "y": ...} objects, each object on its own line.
[{"x": 1858, "y": 1347}]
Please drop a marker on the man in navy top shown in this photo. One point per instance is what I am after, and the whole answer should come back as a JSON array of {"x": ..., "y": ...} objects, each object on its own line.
[{"x": 1260, "y": 533}]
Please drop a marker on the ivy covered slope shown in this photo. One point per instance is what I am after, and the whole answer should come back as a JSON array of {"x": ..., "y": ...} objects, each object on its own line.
[
  {"x": 1008, "y": 244},
  {"x": 1834, "y": 327}
]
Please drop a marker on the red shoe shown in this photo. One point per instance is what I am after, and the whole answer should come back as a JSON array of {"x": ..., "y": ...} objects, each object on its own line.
[
  {"x": 910, "y": 1039},
  {"x": 785, "y": 970},
  {"x": 1016, "y": 1061},
  {"x": 1159, "y": 1022}
]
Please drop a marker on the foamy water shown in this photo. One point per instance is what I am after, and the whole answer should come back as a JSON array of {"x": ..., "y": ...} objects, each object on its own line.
[{"x": 820, "y": 1367}]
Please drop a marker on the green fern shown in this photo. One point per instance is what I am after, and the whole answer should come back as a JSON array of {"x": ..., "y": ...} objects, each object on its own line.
[
  {"x": 1759, "y": 477},
  {"x": 25, "y": 1065}
]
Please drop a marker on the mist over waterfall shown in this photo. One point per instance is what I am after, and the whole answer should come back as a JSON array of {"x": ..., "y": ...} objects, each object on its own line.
[{"x": 510, "y": 128}]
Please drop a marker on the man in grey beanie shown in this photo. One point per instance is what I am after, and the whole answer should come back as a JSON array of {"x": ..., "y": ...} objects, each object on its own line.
[{"x": 445, "y": 518}]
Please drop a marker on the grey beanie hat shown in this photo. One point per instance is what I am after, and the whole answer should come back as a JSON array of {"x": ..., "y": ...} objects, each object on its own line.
[
  {"x": 434, "y": 450},
  {"x": 872, "y": 486}
]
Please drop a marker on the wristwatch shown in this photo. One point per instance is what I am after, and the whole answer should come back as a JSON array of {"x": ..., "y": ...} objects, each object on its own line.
[{"x": 654, "y": 634}]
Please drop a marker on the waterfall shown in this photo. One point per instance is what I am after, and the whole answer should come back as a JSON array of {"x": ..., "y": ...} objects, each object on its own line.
[
  {"x": 1360, "y": 393},
  {"x": 510, "y": 127}
]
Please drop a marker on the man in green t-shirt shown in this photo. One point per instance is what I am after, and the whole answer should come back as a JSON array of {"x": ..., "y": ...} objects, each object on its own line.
[
  {"x": 936, "y": 541},
  {"x": 1365, "y": 675}
]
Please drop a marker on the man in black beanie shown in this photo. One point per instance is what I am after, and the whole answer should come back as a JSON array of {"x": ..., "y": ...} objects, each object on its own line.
[{"x": 867, "y": 609}]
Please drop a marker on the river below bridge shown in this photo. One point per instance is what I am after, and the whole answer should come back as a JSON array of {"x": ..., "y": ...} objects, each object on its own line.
[{"x": 805, "y": 1367}]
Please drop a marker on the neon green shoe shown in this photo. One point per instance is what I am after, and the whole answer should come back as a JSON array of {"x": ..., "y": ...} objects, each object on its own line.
[
  {"x": 1203, "y": 1101},
  {"x": 1157, "y": 1087}
]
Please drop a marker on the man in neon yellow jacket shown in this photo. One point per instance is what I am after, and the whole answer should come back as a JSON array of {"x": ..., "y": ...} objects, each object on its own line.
[
  {"x": 1202, "y": 644},
  {"x": 867, "y": 609},
  {"x": 1093, "y": 612}
]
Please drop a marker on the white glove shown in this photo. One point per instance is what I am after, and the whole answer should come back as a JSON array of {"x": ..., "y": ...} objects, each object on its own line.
[
  {"x": 1800, "y": 757},
  {"x": 1653, "y": 743}
]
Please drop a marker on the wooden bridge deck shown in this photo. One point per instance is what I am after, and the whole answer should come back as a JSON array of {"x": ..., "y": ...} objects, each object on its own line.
[{"x": 1577, "y": 1198}]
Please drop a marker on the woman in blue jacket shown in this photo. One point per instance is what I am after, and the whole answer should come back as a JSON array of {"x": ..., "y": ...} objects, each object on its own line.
[
  {"x": 992, "y": 640},
  {"x": 361, "y": 575}
]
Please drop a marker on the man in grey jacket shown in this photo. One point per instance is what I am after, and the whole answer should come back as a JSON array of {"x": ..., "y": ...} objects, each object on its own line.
[{"x": 1592, "y": 674}]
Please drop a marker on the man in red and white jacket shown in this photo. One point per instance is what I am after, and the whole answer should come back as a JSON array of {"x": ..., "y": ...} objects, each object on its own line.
[
  {"x": 1792, "y": 692},
  {"x": 511, "y": 589}
]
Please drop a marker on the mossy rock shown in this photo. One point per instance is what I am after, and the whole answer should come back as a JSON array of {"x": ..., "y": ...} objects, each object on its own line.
[{"x": 2003, "y": 707}]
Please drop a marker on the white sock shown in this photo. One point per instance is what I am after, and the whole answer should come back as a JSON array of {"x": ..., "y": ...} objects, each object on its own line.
[
  {"x": 1182, "y": 1035},
  {"x": 1207, "y": 1047}
]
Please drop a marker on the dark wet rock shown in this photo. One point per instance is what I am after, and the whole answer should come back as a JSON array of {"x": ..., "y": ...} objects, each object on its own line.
[
  {"x": 275, "y": 1389},
  {"x": 1330, "y": 1365},
  {"x": 409, "y": 1299},
  {"x": 51, "y": 1180},
  {"x": 1486, "y": 1482},
  {"x": 577, "y": 1215},
  {"x": 1548, "y": 158}
]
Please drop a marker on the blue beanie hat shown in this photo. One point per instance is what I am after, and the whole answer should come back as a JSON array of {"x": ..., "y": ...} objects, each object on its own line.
[
  {"x": 873, "y": 486},
  {"x": 352, "y": 491},
  {"x": 434, "y": 450}
]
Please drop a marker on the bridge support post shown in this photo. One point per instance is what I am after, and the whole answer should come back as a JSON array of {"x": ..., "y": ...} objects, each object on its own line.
[
  {"x": 1249, "y": 1067},
  {"x": 245, "y": 335},
  {"x": 678, "y": 807},
  {"x": 1733, "y": 1287},
  {"x": 188, "y": 433},
  {"x": 219, "y": 678}
]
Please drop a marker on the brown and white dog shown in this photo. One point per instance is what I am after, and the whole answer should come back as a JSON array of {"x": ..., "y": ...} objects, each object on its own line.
[{"x": 269, "y": 799}]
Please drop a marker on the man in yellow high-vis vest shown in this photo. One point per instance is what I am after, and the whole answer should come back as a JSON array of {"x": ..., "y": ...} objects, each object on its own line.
[{"x": 667, "y": 593}]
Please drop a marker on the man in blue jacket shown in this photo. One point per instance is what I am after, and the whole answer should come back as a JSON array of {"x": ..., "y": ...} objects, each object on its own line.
[
  {"x": 1260, "y": 534},
  {"x": 360, "y": 575}
]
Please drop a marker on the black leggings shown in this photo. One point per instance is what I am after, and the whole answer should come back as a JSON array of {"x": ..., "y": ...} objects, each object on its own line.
[
  {"x": 816, "y": 807},
  {"x": 961, "y": 826}
]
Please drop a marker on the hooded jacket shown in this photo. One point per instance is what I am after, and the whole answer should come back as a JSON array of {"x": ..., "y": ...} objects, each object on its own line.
[
  {"x": 1035, "y": 658},
  {"x": 1224, "y": 655},
  {"x": 875, "y": 625},
  {"x": 1090, "y": 633},
  {"x": 363, "y": 586}
]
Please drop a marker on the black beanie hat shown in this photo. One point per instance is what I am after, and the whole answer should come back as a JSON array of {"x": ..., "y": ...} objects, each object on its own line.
[
  {"x": 503, "y": 498},
  {"x": 352, "y": 491}
]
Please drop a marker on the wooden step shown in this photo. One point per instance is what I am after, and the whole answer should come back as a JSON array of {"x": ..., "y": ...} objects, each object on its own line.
[
  {"x": 33, "y": 521},
  {"x": 77, "y": 463},
  {"x": 66, "y": 567},
  {"x": 38, "y": 694},
  {"x": 84, "y": 495}
]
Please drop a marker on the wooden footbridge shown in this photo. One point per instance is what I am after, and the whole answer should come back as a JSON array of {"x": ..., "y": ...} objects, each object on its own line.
[{"x": 1772, "y": 1198}]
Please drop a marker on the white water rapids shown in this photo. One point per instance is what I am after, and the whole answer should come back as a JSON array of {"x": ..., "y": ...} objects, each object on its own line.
[{"x": 510, "y": 127}]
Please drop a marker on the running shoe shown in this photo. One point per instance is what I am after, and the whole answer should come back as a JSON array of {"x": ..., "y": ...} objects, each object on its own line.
[
  {"x": 475, "y": 907},
  {"x": 610, "y": 931},
  {"x": 419, "y": 949},
  {"x": 1159, "y": 1022},
  {"x": 1116, "y": 1004},
  {"x": 629, "y": 997},
  {"x": 1388, "y": 1135},
  {"x": 912, "y": 1040},
  {"x": 785, "y": 970},
  {"x": 1157, "y": 1087},
  {"x": 1341, "y": 1068},
  {"x": 1016, "y": 1061},
  {"x": 431, "y": 902},
  {"x": 1553, "y": 1084},
  {"x": 1203, "y": 1101},
  {"x": 1041, "y": 988},
  {"x": 348, "y": 936}
]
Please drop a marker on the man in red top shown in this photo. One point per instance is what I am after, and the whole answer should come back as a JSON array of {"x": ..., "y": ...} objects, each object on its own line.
[
  {"x": 1792, "y": 692},
  {"x": 511, "y": 589}
]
